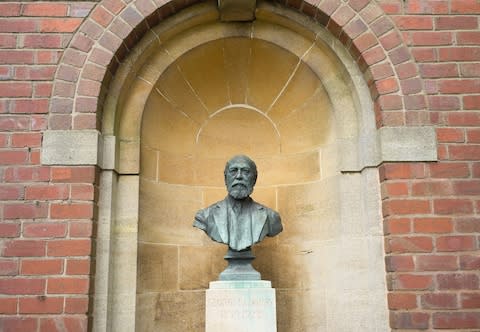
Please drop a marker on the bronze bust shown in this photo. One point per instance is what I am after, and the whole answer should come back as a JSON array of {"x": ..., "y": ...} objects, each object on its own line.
[{"x": 238, "y": 220}]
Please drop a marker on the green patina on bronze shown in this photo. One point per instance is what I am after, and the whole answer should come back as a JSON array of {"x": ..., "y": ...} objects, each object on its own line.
[{"x": 238, "y": 220}]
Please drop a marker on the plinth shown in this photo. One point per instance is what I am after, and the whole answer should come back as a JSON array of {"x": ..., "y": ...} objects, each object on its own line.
[
  {"x": 239, "y": 266},
  {"x": 240, "y": 306}
]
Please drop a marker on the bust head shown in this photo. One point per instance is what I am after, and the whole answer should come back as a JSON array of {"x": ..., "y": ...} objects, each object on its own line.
[{"x": 240, "y": 176}]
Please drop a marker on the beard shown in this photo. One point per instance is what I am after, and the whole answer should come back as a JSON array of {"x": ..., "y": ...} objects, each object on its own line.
[{"x": 240, "y": 191}]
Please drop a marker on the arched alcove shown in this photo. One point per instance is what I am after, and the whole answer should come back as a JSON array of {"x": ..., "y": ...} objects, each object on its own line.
[{"x": 283, "y": 90}]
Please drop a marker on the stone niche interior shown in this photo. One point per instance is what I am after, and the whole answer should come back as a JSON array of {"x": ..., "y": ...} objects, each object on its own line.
[
  {"x": 226, "y": 97},
  {"x": 238, "y": 94}
]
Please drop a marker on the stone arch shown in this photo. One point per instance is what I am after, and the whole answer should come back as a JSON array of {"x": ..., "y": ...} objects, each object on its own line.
[
  {"x": 122, "y": 115},
  {"x": 356, "y": 142},
  {"x": 113, "y": 27}
]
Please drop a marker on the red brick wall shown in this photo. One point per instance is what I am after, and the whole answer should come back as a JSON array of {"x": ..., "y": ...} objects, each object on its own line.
[
  {"x": 422, "y": 61},
  {"x": 432, "y": 210},
  {"x": 46, "y": 211}
]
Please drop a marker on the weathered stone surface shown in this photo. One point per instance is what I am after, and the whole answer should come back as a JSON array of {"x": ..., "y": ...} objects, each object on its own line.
[
  {"x": 71, "y": 147},
  {"x": 126, "y": 221},
  {"x": 122, "y": 300},
  {"x": 148, "y": 163},
  {"x": 215, "y": 94},
  {"x": 200, "y": 265},
  {"x": 180, "y": 311},
  {"x": 310, "y": 211},
  {"x": 237, "y": 10},
  {"x": 352, "y": 310},
  {"x": 284, "y": 265},
  {"x": 219, "y": 136},
  {"x": 408, "y": 144},
  {"x": 108, "y": 153},
  {"x": 157, "y": 267},
  {"x": 238, "y": 306},
  {"x": 388, "y": 144},
  {"x": 286, "y": 38},
  {"x": 128, "y": 158},
  {"x": 103, "y": 245},
  {"x": 301, "y": 310},
  {"x": 146, "y": 305},
  {"x": 166, "y": 213},
  {"x": 269, "y": 70},
  {"x": 237, "y": 80}
]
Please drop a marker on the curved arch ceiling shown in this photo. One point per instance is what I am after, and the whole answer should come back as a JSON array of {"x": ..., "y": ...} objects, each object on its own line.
[{"x": 238, "y": 95}]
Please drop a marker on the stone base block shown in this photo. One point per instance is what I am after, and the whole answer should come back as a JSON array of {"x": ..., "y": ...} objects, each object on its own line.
[{"x": 240, "y": 306}]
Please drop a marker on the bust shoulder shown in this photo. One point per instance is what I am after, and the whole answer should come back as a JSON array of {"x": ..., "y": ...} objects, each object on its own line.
[{"x": 270, "y": 212}]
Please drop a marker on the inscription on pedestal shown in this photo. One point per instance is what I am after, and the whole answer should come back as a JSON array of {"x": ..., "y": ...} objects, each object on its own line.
[
  {"x": 240, "y": 310},
  {"x": 229, "y": 307}
]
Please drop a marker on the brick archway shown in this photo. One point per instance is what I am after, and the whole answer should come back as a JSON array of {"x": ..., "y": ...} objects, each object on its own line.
[
  {"x": 84, "y": 75},
  {"x": 113, "y": 27}
]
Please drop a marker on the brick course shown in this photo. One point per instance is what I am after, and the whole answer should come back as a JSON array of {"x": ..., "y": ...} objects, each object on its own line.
[
  {"x": 33, "y": 37},
  {"x": 421, "y": 59}
]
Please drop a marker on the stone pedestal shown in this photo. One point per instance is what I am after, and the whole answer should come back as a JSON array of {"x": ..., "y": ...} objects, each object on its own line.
[
  {"x": 240, "y": 266},
  {"x": 240, "y": 306}
]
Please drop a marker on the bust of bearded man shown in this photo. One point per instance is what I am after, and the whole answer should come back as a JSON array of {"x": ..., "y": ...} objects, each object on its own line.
[{"x": 238, "y": 220}]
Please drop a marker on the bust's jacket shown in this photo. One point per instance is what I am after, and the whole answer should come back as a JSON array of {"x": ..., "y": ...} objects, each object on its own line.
[{"x": 213, "y": 220}]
